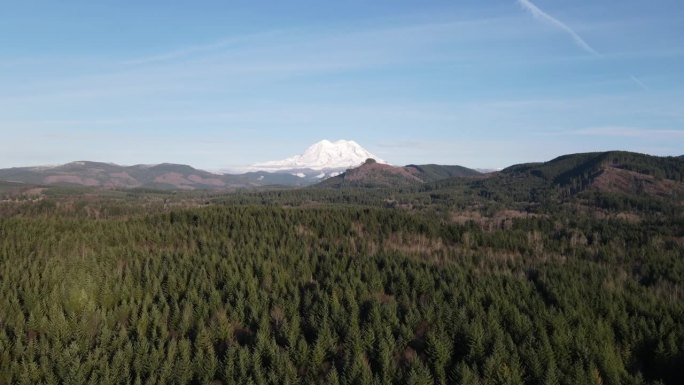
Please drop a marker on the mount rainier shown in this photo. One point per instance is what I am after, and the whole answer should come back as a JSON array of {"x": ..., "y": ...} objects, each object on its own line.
[{"x": 322, "y": 159}]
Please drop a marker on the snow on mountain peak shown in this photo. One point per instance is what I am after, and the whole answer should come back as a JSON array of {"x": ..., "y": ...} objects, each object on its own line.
[{"x": 323, "y": 155}]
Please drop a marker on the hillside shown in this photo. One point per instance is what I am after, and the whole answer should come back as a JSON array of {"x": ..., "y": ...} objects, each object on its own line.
[
  {"x": 434, "y": 172},
  {"x": 376, "y": 175},
  {"x": 613, "y": 171},
  {"x": 597, "y": 182},
  {"x": 165, "y": 176}
]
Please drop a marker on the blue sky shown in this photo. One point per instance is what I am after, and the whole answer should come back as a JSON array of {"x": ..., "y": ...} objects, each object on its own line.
[{"x": 220, "y": 84}]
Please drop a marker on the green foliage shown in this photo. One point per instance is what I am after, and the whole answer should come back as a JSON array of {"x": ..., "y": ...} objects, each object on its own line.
[{"x": 345, "y": 291}]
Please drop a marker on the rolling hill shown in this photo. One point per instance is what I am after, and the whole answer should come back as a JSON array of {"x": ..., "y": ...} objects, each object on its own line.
[
  {"x": 612, "y": 171},
  {"x": 165, "y": 176},
  {"x": 373, "y": 174}
]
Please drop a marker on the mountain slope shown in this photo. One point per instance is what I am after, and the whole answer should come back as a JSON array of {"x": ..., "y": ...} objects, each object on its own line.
[
  {"x": 374, "y": 174},
  {"x": 434, "y": 172},
  {"x": 613, "y": 171}
]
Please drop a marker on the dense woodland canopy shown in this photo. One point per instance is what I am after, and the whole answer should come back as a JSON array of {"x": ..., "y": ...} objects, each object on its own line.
[{"x": 478, "y": 282}]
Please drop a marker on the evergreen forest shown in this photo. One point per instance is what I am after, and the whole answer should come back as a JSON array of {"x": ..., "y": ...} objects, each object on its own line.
[{"x": 526, "y": 277}]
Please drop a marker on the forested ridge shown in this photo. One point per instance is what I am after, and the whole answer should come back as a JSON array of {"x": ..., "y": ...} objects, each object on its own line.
[{"x": 541, "y": 274}]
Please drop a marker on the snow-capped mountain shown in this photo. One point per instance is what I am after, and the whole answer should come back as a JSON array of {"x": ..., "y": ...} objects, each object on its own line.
[{"x": 325, "y": 157}]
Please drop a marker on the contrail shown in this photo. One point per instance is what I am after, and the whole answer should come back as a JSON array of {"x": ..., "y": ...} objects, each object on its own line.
[{"x": 537, "y": 13}]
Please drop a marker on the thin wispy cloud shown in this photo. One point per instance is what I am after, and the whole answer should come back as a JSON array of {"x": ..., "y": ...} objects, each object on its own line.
[
  {"x": 382, "y": 36},
  {"x": 201, "y": 48},
  {"x": 539, "y": 14},
  {"x": 256, "y": 59},
  {"x": 638, "y": 82},
  {"x": 630, "y": 132},
  {"x": 404, "y": 144}
]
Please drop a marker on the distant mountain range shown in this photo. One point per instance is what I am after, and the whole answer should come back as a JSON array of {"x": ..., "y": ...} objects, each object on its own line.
[
  {"x": 323, "y": 164},
  {"x": 164, "y": 176},
  {"x": 169, "y": 176},
  {"x": 321, "y": 160}
]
